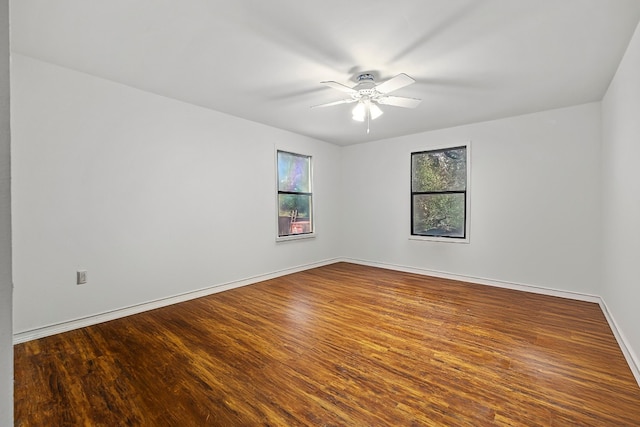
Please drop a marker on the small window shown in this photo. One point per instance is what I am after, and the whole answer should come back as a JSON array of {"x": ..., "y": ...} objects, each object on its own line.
[
  {"x": 295, "y": 199},
  {"x": 439, "y": 200}
]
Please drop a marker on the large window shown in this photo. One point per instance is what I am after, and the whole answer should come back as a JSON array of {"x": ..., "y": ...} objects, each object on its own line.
[
  {"x": 295, "y": 199},
  {"x": 439, "y": 199}
]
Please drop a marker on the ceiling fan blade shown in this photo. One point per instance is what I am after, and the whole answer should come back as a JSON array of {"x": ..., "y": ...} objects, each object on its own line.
[
  {"x": 395, "y": 83},
  {"x": 399, "y": 101},
  {"x": 339, "y": 86},
  {"x": 329, "y": 104}
]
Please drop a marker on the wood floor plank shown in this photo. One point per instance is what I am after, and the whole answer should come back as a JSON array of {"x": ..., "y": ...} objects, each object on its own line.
[{"x": 340, "y": 345}]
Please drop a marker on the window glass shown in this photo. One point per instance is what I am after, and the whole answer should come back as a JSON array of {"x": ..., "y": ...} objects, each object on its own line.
[
  {"x": 440, "y": 215},
  {"x": 294, "y": 172},
  {"x": 440, "y": 170}
]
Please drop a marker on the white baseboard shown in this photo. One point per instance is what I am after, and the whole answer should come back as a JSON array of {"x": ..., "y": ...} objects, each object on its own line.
[
  {"x": 70, "y": 325},
  {"x": 480, "y": 280},
  {"x": 630, "y": 356}
]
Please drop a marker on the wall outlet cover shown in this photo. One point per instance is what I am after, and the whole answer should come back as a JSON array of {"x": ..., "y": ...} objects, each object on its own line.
[{"x": 81, "y": 277}]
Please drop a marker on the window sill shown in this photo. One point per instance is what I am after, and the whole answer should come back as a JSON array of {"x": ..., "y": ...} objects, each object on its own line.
[
  {"x": 295, "y": 237},
  {"x": 439, "y": 239}
]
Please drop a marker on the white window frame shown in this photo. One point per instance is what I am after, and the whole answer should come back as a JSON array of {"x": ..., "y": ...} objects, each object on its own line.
[
  {"x": 300, "y": 236},
  {"x": 467, "y": 220}
]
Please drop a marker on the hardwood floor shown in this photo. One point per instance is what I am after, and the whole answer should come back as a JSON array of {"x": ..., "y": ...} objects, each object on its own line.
[{"x": 341, "y": 345}]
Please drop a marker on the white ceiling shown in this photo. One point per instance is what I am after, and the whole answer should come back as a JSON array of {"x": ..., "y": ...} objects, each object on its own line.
[{"x": 472, "y": 60}]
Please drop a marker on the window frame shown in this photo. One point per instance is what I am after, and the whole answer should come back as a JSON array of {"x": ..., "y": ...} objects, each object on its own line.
[
  {"x": 466, "y": 192},
  {"x": 297, "y": 236}
]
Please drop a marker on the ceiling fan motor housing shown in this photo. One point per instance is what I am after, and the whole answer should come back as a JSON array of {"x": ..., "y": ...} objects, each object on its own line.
[
  {"x": 365, "y": 87},
  {"x": 365, "y": 77}
]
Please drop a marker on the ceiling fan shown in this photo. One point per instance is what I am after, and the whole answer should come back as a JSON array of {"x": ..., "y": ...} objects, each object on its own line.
[{"x": 369, "y": 95}]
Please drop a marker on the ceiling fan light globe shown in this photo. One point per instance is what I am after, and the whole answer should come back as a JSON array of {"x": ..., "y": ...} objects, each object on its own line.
[
  {"x": 375, "y": 111},
  {"x": 359, "y": 112}
]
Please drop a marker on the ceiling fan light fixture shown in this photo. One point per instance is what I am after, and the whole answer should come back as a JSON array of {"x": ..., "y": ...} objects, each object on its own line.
[
  {"x": 359, "y": 112},
  {"x": 375, "y": 111},
  {"x": 367, "y": 95},
  {"x": 363, "y": 108}
]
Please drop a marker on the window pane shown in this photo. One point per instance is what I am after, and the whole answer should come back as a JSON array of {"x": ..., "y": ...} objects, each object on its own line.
[
  {"x": 441, "y": 170},
  {"x": 294, "y": 172},
  {"x": 439, "y": 215},
  {"x": 294, "y": 214}
]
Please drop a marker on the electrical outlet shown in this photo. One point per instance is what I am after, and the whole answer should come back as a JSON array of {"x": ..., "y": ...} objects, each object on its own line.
[{"x": 81, "y": 277}]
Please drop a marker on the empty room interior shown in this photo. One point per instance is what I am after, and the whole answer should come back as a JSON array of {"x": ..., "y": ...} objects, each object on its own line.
[{"x": 320, "y": 213}]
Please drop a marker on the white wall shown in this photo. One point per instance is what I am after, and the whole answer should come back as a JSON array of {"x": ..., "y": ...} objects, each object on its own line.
[
  {"x": 535, "y": 204},
  {"x": 6, "y": 347},
  {"x": 153, "y": 197},
  {"x": 621, "y": 196}
]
